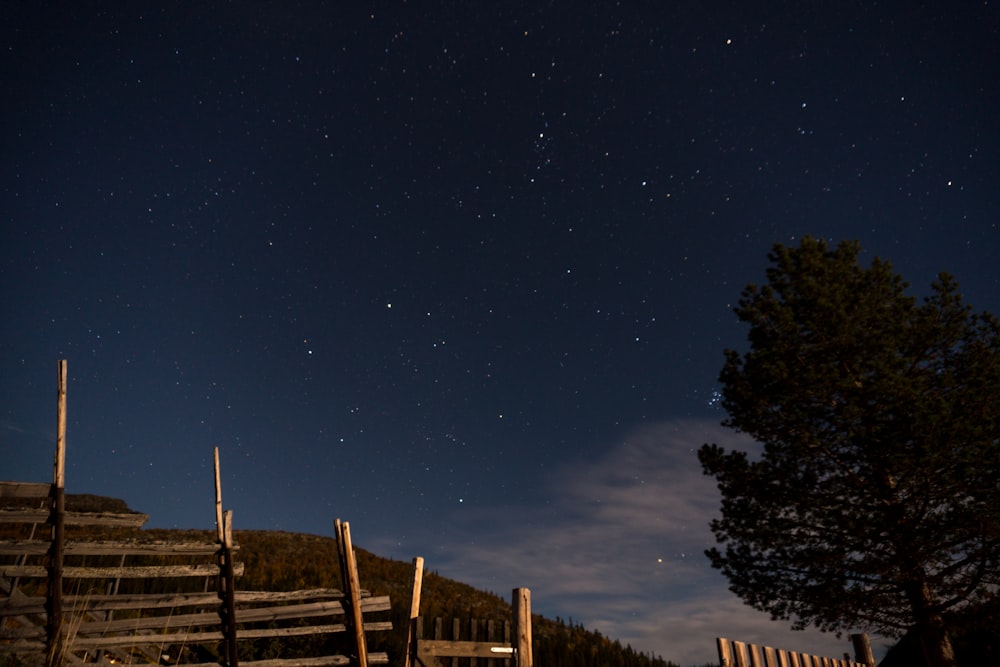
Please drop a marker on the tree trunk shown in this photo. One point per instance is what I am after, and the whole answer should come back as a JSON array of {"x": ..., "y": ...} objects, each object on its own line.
[
  {"x": 937, "y": 647},
  {"x": 931, "y": 631}
]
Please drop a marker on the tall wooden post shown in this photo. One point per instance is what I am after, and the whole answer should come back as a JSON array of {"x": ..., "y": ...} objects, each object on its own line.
[
  {"x": 411, "y": 626},
  {"x": 218, "y": 499},
  {"x": 521, "y": 607},
  {"x": 349, "y": 573},
  {"x": 863, "y": 650},
  {"x": 57, "y": 516},
  {"x": 227, "y": 578}
]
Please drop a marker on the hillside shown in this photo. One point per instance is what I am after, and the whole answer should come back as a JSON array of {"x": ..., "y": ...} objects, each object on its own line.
[{"x": 277, "y": 561}]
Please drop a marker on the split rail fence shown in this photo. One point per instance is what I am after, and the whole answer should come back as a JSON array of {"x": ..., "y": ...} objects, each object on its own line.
[
  {"x": 71, "y": 597},
  {"x": 200, "y": 614}
]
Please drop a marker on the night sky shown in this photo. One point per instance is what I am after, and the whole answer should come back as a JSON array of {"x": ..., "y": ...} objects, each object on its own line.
[{"x": 459, "y": 273}]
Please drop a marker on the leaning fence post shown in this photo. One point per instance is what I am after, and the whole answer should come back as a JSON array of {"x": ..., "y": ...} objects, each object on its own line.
[
  {"x": 349, "y": 573},
  {"x": 521, "y": 607},
  {"x": 411, "y": 627}
]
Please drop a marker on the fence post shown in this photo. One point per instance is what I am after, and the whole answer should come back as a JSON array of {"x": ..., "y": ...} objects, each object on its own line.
[
  {"x": 521, "y": 607},
  {"x": 411, "y": 627},
  {"x": 227, "y": 578},
  {"x": 349, "y": 572},
  {"x": 227, "y": 591},
  {"x": 53, "y": 597}
]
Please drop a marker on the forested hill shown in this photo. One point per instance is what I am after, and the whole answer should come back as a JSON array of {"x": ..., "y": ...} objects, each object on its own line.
[{"x": 276, "y": 560}]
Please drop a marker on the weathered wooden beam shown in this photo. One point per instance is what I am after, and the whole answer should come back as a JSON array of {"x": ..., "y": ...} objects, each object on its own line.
[
  {"x": 325, "y": 661},
  {"x": 131, "y": 572},
  {"x": 521, "y": 611},
  {"x": 28, "y": 631},
  {"x": 93, "y": 603},
  {"x": 166, "y": 622},
  {"x": 21, "y": 606},
  {"x": 287, "y": 596},
  {"x": 111, "y": 548},
  {"x": 103, "y": 519},
  {"x": 107, "y": 641},
  {"x": 444, "y": 648},
  {"x": 38, "y": 490}
]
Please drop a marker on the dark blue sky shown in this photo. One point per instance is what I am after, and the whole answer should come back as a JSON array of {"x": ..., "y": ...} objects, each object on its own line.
[{"x": 458, "y": 273}]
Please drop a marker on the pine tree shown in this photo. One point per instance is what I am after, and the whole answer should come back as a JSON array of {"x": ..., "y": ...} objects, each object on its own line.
[{"x": 876, "y": 501}]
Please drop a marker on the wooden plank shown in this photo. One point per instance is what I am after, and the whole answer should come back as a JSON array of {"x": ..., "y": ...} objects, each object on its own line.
[
  {"x": 325, "y": 661},
  {"x": 131, "y": 572},
  {"x": 309, "y": 610},
  {"x": 28, "y": 631},
  {"x": 37, "y": 490},
  {"x": 447, "y": 648},
  {"x": 104, "y": 519},
  {"x": 209, "y": 637},
  {"x": 473, "y": 636},
  {"x": 110, "y": 548},
  {"x": 75, "y": 604},
  {"x": 212, "y": 636},
  {"x": 303, "y": 630},
  {"x": 24, "y": 646},
  {"x": 725, "y": 649},
  {"x": 305, "y": 594},
  {"x": 19, "y": 606},
  {"x": 165, "y": 622},
  {"x": 740, "y": 654}
]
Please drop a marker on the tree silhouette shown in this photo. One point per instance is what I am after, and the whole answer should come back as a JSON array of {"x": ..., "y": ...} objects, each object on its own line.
[{"x": 876, "y": 501}]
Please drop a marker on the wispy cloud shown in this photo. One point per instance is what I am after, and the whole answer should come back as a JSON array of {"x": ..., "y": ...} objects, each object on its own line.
[{"x": 617, "y": 544}]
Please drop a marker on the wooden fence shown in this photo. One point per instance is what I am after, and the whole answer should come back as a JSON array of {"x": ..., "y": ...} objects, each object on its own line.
[
  {"x": 472, "y": 642},
  {"x": 464, "y": 643},
  {"x": 741, "y": 654},
  {"x": 69, "y": 601},
  {"x": 200, "y": 617}
]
